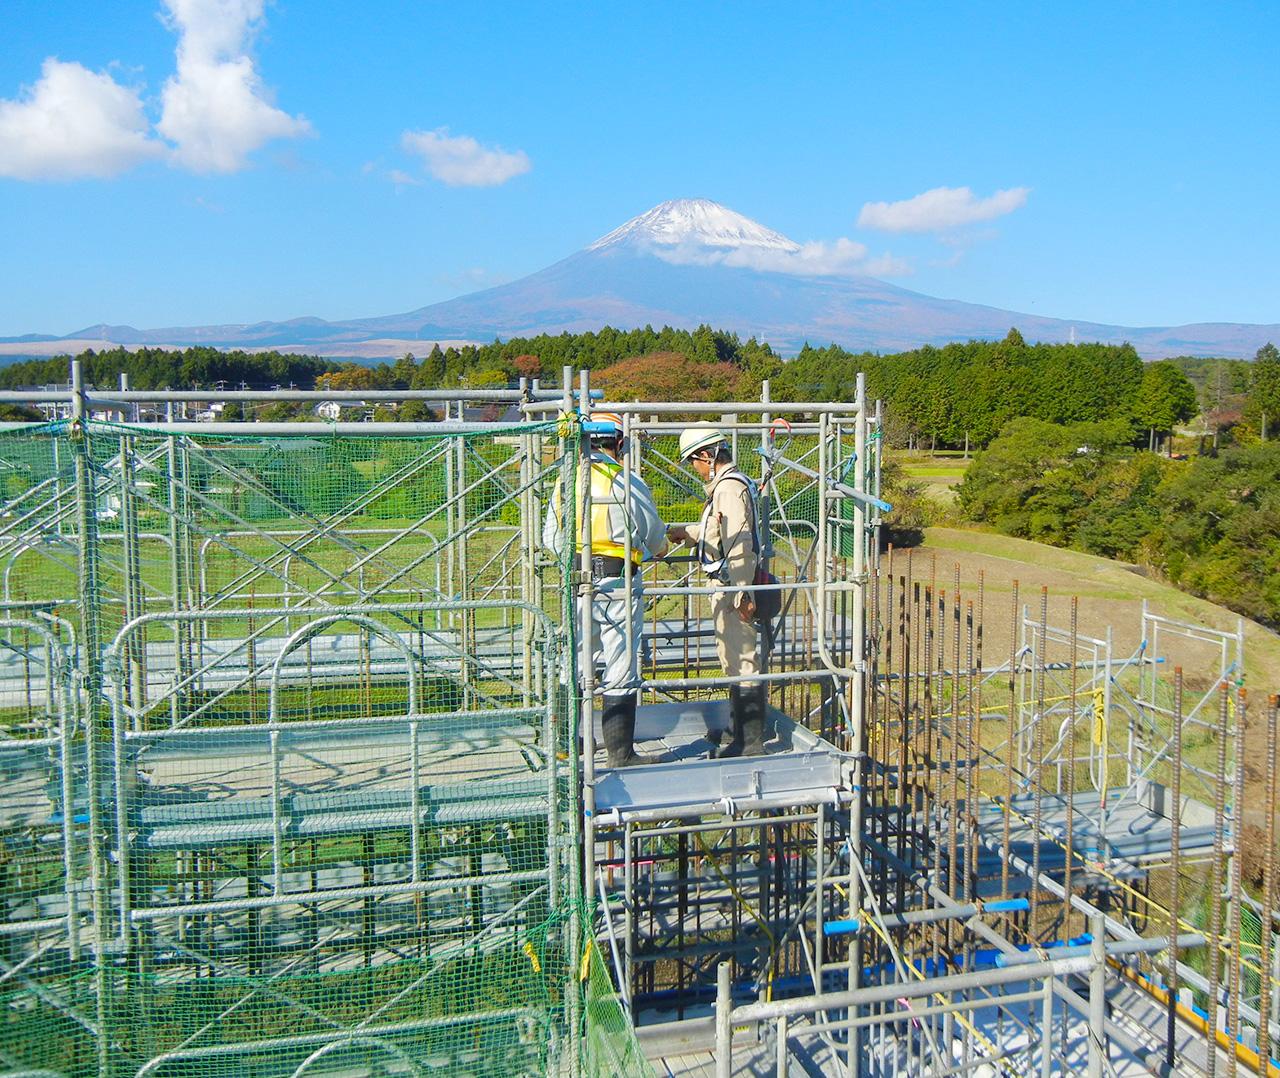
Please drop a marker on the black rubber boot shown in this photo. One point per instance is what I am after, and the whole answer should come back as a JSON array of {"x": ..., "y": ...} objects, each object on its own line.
[
  {"x": 746, "y": 722},
  {"x": 717, "y": 736},
  {"x": 618, "y": 728},
  {"x": 754, "y": 704}
]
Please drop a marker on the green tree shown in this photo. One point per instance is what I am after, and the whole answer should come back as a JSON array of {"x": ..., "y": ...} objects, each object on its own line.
[
  {"x": 1037, "y": 480},
  {"x": 488, "y": 378},
  {"x": 280, "y": 412},
  {"x": 157, "y": 368},
  {"x": 430, "y": 371},
  {"x": 403, "y": 371},
  {"x": 1122, "y": 510},
  {"x": 415, "y": 412},
  {"x": 1165, "y": 399},
  {"x": 1262, "y": 407},
  {"x": 1219, "y": 531}
]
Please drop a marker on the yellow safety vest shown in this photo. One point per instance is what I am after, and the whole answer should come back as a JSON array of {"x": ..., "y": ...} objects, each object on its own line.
[{"x": 604, "y": 539}]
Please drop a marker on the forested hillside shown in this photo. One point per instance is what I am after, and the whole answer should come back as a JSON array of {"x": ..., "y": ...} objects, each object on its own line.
[
  {"x": 473, "y": 365},
  {"x": 952, "y": 396},
  {"x": 156, "y": 368},
  {"x": 1063, "y": 433},
  {"x": 1209, "y": 524},
  {"x": 965, "y": 393}
]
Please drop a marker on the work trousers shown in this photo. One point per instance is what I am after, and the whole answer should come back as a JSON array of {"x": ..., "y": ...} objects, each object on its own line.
[
  {"x": 736, "y": 640},
  {"x": 610, "y": 614}
]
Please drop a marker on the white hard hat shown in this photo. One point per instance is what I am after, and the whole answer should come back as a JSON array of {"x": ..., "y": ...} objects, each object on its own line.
[{"x": 694, "y": 438}]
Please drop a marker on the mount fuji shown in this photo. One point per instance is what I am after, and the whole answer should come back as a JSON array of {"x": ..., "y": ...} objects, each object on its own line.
[{"x": 688, "y": 262}]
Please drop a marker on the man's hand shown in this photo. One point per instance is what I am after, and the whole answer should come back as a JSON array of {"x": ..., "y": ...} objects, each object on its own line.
[
  {"x": 678, "y": 534},
  {"x": 747, "y": 608}
]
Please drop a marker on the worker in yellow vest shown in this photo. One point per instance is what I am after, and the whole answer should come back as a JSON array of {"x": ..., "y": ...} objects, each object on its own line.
[{"x": 621, "y": 506}]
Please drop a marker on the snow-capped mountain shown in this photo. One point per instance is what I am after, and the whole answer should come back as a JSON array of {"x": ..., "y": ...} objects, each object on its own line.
[
  {"x": 685, "y": 263},
  {"x": 697, "y": 221}
]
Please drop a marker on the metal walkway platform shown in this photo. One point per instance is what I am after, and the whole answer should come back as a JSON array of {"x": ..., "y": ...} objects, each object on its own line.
[
  {"x": 1118, "y": 836},
  {"x": 799, "y": 768}
]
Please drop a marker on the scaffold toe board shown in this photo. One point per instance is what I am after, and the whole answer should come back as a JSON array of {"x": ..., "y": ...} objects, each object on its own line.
[{"x": 798, "y": 767}]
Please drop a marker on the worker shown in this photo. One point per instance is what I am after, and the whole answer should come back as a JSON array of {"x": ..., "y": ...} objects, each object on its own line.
[
  {"x": 621, "y": 506},
  {"x": 728, "y": 546}
]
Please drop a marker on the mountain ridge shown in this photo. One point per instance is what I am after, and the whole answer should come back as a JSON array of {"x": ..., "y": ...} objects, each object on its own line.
[{"x": 685, "y": 263}]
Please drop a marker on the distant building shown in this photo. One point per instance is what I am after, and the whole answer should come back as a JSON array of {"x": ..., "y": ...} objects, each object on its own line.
[{"x": 349, "y": 411}]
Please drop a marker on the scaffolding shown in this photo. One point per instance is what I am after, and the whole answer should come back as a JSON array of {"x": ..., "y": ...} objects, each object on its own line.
[{"x": 299, "y": 744}]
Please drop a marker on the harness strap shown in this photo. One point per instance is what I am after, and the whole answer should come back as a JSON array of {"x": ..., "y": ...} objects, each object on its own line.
[{"x": 714, "y": 567}]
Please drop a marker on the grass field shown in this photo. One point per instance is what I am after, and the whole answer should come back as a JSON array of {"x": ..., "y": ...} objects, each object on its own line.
[{"x": 938, "y": 475}]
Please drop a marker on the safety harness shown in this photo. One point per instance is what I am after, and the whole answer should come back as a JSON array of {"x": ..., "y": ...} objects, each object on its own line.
[{"x": 712, "y": 564}]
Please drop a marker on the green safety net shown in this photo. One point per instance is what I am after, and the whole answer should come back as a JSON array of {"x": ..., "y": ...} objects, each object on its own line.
[{"x": 290, "y": 777}]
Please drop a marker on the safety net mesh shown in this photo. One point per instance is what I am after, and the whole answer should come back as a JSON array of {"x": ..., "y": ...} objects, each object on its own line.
[{"x": 289, "y": 780}]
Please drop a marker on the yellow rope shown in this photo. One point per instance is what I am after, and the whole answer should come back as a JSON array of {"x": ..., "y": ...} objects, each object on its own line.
[
  {"x": 742, "y": 902},
  {"x": 732, "y": 889},
  {"x": 869, "y": 919}
]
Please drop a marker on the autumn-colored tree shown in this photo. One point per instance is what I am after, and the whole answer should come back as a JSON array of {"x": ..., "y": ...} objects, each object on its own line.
[
  {"x": 352, "y": 376},
  {"x": 484, "y": 379},
  {"x": 527, "y": 366},
  {"x": 668, "y": 376}
]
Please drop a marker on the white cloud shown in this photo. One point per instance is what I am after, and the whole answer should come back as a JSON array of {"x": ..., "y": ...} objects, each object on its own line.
[
  {"x": 940, "y": 209},
  {"x": 460, "y": 161},
  {"x": 216, "y": 109},
  {"x": 887, "y": 265},
  {"x": 817, "y": 258},
  {"x": 73, "y": 123}
]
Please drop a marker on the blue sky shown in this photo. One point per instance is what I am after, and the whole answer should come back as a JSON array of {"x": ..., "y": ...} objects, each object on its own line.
[{"x": 189, "y": 162}]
